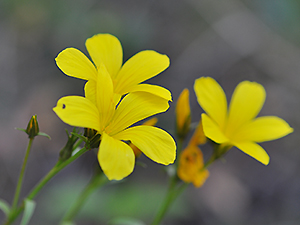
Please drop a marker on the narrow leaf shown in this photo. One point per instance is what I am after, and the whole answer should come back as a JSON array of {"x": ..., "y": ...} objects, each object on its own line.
[
  {"x": 28, "y": 211},
  {"x": 125, "y": 221},
  {"x": 4, "y": 207},
  {"x": 80, "y": 136},
  {"x": 44, "y": 134}
]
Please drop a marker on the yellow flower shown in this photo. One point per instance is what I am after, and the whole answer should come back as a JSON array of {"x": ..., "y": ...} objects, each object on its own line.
[
  {"x": 106, "y": 49},
  {"x": 113, "y": 122},
  {"x": 191, "y": 166},
  {"x": 238, "y": 125},
  {"x": 183, "y": 114}
]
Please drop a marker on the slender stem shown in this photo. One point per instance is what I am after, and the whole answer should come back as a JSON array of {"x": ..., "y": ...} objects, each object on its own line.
[
  {"x": 173, "y": 192},
  {"x": 95, "y": 183},
  {"x": 219, "y": 151},
  {"x": 41, "y": 184},
  {"x": 77, "y": 144},
  {"x": 20, "y": 182}
]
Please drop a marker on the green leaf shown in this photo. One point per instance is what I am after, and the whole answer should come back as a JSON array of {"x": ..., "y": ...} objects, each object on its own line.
[
  {"x": 21, "y": 129},
  {"x": 39, "y": 134},
  {"x": 125, "y": 221},
  {"x": 80, "y": 136},
  {"x": 68, "y": 223},
  {"x": 44, "y": 134},
  {"x": 28, "y": 211},
  {"x": 4, "y": 207}
]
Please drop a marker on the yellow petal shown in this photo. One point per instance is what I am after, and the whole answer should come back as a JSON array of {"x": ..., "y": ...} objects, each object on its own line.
[
  {"x": 155, "y": 143},
  {"x": 212, "y": 130},
  {"x": 77, "y": 111},
  {"x": 75, "y": 64},
  {"x": 106, "y": 49},
  {"x": 212, "y": 99},
  {"x": 183, "y": 113},
  {"x": 246, "y": 102},
  {"x": 153, "y": 89},
  {"x": 90, "y": 91},
  {"x": 254, "y": 150},
  {"x": 151, "y": 122},
  {"x": 140, "y": 67},
  {"x": 262, "y": 129},
  {"x": 105, "y": 96},
  {"x": 115, "y": 157},
  {"x": 135, "y": 107}
]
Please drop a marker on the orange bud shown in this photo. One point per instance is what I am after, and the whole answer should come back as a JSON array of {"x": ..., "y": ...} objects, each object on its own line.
[
  {"x": 198, "y": 137},
  {"x": 191, "y": 166}
]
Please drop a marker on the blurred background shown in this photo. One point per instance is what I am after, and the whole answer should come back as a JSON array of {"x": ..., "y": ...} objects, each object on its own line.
[{"x": 230, "y": 40}]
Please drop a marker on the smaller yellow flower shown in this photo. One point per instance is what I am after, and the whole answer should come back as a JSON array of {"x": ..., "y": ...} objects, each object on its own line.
[
  {"x": 183, "y": 114},
  {"x": 191, "y": 166},
  {"x": 238, "y": 125}
]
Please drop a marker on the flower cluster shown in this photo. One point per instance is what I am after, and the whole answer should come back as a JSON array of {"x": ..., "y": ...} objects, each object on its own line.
[
  {"x": 237, "y": 126},
  {"x": 115, "y": 100}
]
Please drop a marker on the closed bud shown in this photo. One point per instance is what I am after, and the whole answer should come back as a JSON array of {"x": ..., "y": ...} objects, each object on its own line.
[
  {"x": 33, "y": 127},
  {"x": 183, "y": 114},
  {"x": 198, "y": 137},
  {"x": 191, "y": 166}
]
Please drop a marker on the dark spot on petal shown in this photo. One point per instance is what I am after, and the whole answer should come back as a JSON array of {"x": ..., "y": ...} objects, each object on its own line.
[{"x": 63, "y": 106}]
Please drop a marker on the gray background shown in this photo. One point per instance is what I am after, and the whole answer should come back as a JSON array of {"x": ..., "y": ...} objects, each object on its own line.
[{"x": 229, "y": 40}]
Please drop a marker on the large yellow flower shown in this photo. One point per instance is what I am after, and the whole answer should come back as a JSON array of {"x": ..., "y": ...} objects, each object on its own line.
[
  {"x": 115, "y": 157},
  {"x": 238, "y": 125},
  {"x": 106, "y": 49}
]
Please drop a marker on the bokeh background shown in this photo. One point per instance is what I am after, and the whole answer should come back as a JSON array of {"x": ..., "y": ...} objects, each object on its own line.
[{"x": 230, "y": 40}]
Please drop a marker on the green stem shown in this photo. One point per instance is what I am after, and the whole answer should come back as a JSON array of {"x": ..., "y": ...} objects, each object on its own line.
[
  {"x": 219, "y": 151},
  {"x": 173, "y": 192},
  {"x": 95, "y": 183},
  {"x": 58, "y": 167},
  {"x": 19, "y": 185},
  {"x": 77, "y": 144}
]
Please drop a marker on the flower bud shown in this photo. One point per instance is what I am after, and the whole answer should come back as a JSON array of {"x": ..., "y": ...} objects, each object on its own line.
[
  {"x": 33, "y": 127},
  {"x": 67, "y": 150},
  {"x": 191, "y": 166},
  {"x": 183, "y": 114},
  {"x": 198, "y": 137}
]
